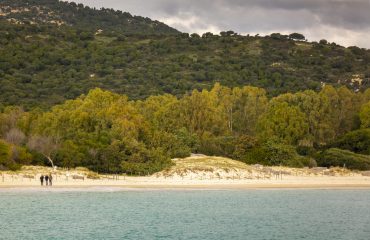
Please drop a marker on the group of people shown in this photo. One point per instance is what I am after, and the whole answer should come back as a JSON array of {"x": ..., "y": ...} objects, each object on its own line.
[{"x": 48, "y": 180}]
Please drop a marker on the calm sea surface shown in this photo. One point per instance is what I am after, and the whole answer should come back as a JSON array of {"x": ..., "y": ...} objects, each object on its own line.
[{"x": 249, "y": 214}]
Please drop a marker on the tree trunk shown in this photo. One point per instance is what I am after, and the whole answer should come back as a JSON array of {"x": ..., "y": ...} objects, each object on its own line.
[{"x": 50, "y": 160}]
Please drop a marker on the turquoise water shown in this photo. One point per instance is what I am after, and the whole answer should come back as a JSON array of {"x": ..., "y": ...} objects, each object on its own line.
[{"x": 249, "y": 214}]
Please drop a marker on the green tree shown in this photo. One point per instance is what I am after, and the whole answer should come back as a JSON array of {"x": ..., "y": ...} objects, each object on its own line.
[
  {"x": 365, "y": 115},
  {"x": 250, "y": 104},
  {"x": 284, "y": 123}
]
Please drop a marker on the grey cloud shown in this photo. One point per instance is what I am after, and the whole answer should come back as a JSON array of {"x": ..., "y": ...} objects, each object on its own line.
[
  {"x": 314, "y": 18},
  {"x": 349, "y": 14}
]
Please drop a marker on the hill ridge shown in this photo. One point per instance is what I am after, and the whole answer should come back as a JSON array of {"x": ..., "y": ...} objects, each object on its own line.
[
  {"x": 42, "y": 65},
  {"x": 79, "y": 16}
]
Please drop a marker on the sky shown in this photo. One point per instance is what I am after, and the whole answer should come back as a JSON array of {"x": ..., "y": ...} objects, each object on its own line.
[{"x": 346, "y": 22}]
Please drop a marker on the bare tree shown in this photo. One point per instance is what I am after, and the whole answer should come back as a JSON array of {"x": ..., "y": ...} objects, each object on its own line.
[
  {"x": 47, "y": 146},
  {"x": 15, "y": 136}
]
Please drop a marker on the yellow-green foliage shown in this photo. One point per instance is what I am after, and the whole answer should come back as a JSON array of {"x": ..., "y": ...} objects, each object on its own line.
[
  {"x": 106, "y": 132},
  {"x": 4, "y": 154},
  {"x": 365, "y": 115},
  {"x": 12, "y": 157},
  {"x": 284, "y": 122}
]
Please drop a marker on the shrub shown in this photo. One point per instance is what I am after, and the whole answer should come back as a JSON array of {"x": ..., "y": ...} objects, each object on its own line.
[
  {"x": 356, "y": 141},
  {"x": 8, "y": 155},
  {"x": 146, "y": 162},
  {"x": 4, "y": 155},
  {"x": 335, "y": 157},
  {"x": 243, "y": 144},
  {"x": 305, "y": 151},
  {"x": 274, "y": 154},
  {"x": 308, "y": 162},
  {"x": 177, "y": 145},
  {"x": 217, "y": 146}
]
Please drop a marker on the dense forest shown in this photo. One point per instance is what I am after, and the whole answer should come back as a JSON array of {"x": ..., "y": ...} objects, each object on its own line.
[
  {"x": 78, "y": 16},
  {"x": 106, "y": 132},
  {"x": 52, "y": 51}
]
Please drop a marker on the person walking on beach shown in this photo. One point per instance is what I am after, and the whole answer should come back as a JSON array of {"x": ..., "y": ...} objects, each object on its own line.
[
  {"x": 46, "y": 180},
  {"x": 42, "y": 180},
  {"x": 50, "y": 180}
]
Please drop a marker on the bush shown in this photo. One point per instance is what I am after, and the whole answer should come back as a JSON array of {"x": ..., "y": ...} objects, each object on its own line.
[
  {"x": 146, "y": 162},
  {"x": 335, "y": 157},
  {"x": 8, "y": 154},
  {"x": 356, "y": 141},
  {"x": 217, "y": 146},
  {"x": 243, "y": 144},
  {"x": 4, "y": 155},
  {"x": 308, "y": 162},
  {"x": 177, "y": 145},
  {"x": 305, "y": 151},
  {"x": 275, "y": 154}
]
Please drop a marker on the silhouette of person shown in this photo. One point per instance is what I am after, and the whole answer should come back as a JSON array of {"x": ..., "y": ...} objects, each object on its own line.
[
  {"x": 50, "y": 179},
  {"x": 46, "y": 180},
  {"x": 42, "y": 180}
]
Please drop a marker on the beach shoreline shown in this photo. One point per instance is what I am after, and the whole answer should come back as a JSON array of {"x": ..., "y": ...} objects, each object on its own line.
[
  {"x": 142, "y": 183},
  {"x": 200, "y": 172},
  {"x": 196, "y": 187}
]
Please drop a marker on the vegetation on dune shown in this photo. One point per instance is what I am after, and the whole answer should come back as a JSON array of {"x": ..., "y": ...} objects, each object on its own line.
[
  {"x": 201, "y": 166},
  {"x": 357, "y": 141},
  {"x": 106, "y": 132},
  {"x": 345, "y": 158}
]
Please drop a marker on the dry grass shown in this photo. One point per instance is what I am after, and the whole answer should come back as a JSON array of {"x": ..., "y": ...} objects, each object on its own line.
[
  {"x": 304, "y": 46},
  {"x": 205, "y": 166},
  {"x": 209, "y": 163},
  {"x": 34, "y": 171},
  {"x": 219, "y": 167}
]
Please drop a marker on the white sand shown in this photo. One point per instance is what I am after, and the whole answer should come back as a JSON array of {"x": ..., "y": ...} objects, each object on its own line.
[
  {"x": 197, "y": 172},
  {"x": 154, "y": 182}
]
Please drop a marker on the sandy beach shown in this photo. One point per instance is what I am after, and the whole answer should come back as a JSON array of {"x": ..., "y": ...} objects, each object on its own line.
[
  {"x": 321, "y": 182},
  {"x": 197, "y": 172}
]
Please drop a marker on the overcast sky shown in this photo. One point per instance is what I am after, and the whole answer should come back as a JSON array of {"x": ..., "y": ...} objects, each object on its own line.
[{"x": 346, "y": 22}]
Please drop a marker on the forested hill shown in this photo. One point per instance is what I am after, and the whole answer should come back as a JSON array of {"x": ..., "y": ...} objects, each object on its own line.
[
  {"x": 79, "y": 16},
  {"x": 51, "y": 51}
]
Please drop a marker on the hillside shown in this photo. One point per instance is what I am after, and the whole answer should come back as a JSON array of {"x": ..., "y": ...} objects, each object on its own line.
[
  {"x": 59, "y": 13},
  {"x": 51, "y": 51}
]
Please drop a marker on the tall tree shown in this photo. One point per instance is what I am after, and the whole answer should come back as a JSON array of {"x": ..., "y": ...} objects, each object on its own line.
[
  {"x": 250, "y": 104},
  {"x": 284, "y": 123},
  {"x": 365, "y": 115}
]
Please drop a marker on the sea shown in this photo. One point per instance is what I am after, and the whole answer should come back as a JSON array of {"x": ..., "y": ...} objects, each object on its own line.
[{"x": 115, "y": 213}]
